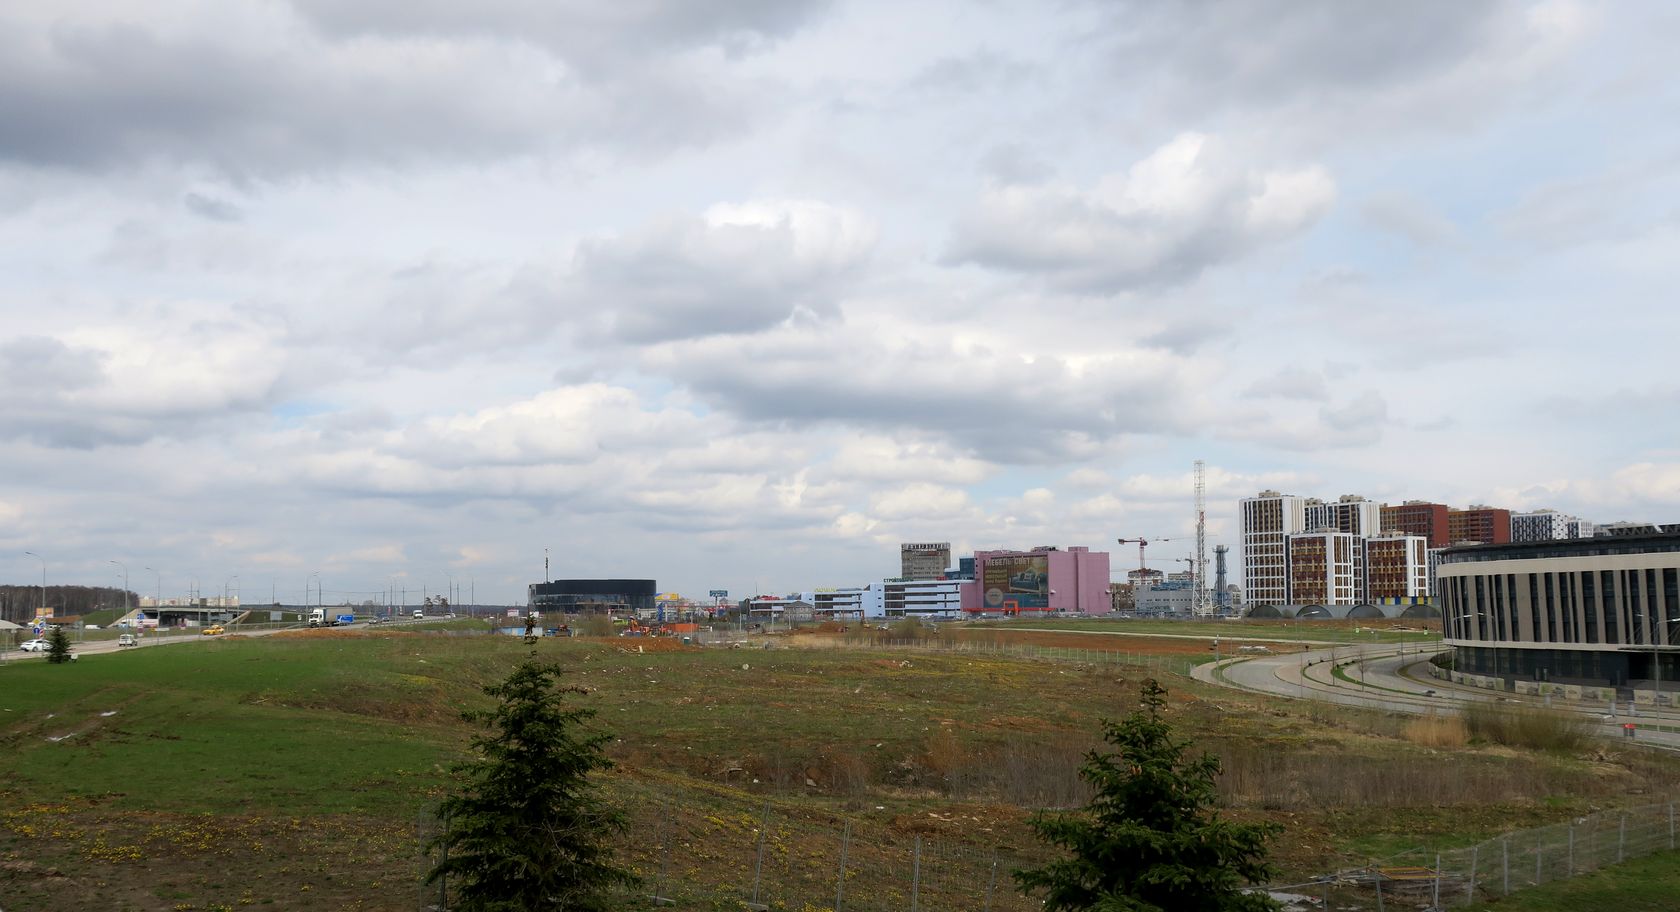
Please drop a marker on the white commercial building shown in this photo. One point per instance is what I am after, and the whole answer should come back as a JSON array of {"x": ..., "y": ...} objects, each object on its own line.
[{"x": 922, "y": 598}]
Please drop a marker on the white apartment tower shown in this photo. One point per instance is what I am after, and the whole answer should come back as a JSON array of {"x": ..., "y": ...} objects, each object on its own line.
[
  {"x": 1548, "y": 525},
  {"x": 1268, "y": 519}
]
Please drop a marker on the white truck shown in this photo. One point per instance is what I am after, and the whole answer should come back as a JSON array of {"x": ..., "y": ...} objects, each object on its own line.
[{"x": 320, "y": 617}]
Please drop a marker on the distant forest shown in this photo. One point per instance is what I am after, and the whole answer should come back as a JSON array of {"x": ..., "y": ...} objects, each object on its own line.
[{"x": 18, "y": 603}]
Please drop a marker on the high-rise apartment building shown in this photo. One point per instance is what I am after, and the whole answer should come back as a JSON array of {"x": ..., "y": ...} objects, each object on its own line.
[
  {"x": 1396, "y": 567},
  {"x": 1325, "y": 568},
  {"x": 1480, "y": 523},
  {"x": 924, "y": 560},
  {"x": 1418, "y": 517},
  {"x": 1268, "y": 519}
]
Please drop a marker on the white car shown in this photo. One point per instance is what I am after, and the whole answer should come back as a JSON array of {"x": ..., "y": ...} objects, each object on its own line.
[{"x": 35, "y": 646}]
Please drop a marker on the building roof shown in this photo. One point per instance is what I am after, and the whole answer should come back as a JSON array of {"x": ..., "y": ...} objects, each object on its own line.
[{"x": 1654, "y": 543}]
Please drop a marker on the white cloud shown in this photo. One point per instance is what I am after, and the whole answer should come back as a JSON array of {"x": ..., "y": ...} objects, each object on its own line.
[{"x": 1189, "y": 206}]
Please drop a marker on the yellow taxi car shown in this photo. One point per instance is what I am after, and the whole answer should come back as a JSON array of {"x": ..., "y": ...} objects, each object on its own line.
[{"x": 213, "y": 630}]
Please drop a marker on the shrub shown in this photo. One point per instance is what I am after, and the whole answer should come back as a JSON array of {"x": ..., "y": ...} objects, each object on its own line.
[{"x": 596, "y": 625}]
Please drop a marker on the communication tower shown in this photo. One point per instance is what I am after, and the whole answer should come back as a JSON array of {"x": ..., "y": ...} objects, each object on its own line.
[{"x": 1202, "y": 607}]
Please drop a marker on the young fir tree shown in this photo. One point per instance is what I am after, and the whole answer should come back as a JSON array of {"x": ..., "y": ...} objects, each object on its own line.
[
  {"x": 58, "y": 646},
  {"x": 526, "y": 830},
  {"x": 1150, "y": 840}
]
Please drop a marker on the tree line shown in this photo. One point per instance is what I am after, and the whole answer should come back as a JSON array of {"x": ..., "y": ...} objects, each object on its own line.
[{"x": 18, "y": 603}]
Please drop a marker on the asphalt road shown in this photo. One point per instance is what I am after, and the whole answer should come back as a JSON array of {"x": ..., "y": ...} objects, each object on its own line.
[
  {"x": 149, "y": 640},
  {"x": 1387, "y": 678}
]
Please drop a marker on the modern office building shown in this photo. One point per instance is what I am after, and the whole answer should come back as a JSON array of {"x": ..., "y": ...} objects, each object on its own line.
[
  {"x": 1479, "y": 523},
  {"x": 1326, "y": 568},
  {"x": 1043, "y": 580},
  {"x": 1396, "y": 568},
  {"x": 1268, "y": 519},
  {"x": 924, "y": 560},
  {"x": 1598, "y": 611},
  {"x": 1418, "y": 517},
  {"x": 617, "y": 596}
]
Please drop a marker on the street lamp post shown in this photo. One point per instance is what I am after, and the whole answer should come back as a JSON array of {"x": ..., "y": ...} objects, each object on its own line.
[
  {"x": 124, "y": 567},
  {"x": 225, "y": 586},
  {"x": 157, "y": 595},
  {"x": 42, "y": 609}
]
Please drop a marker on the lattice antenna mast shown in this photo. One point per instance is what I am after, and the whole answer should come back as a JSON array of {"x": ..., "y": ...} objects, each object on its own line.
[{"x": 1203, "y": 607}]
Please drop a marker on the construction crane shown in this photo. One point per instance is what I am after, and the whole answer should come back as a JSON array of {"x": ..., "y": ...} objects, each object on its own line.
[{"x": 1142, "y": 543}]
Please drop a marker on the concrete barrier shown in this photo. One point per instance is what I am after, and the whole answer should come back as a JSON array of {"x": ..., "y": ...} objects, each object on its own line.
[{"x": 1571, "y": 691}]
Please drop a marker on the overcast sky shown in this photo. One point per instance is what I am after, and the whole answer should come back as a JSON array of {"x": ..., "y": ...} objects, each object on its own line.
[{"x": 741, "y": 294}]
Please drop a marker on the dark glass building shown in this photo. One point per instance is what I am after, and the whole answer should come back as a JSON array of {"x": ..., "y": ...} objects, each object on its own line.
[{"x": 579, "y": 595}]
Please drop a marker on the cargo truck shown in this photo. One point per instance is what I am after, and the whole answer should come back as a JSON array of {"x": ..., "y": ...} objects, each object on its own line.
[{"x": 319, "y": 617}]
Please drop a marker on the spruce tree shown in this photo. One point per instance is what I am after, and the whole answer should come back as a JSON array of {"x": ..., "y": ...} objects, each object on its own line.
[
  {"x": 526, "y": 830},
  {"x": 1150, "y": 841},
  {"x": 58, "y": 646}
]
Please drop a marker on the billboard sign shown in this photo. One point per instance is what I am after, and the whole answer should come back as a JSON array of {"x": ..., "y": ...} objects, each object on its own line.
[
  {"x": 720, "y": 593},
  {"x": 1019, "y": 582}
]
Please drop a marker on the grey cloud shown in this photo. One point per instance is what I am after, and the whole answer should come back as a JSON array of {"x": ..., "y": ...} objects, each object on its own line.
[
  {"x": 980, "y": 71},
  {"x": 212, "y": 208},
  {"x": 1363, "y": 416},
  {"x": 273, "y": 99},
  {"x": 1003, "y": 409},
  {"x": 1281, "y": 53},
  {"x": 1289, "y": 383},
  {"x": 1410, "y": 218},
  {"x": 43, "y": 366},
  {"x": 738, "y": 269},
  {"x": 592, "y": 35}
]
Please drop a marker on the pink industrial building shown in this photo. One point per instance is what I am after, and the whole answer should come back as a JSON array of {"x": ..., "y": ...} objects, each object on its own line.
[{"x": 1040, "y": 581}]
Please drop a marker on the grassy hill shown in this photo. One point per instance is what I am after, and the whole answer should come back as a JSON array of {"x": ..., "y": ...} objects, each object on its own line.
[{"x": 298, "y": 771}]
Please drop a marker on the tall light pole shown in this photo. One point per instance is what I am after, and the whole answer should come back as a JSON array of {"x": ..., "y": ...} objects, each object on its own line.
[
  {"x": 42, "y": 610},
  {"x": 157, "y": 597},
  {"x": 225, "y": 590},
  {"x": 124, "y": 567}
]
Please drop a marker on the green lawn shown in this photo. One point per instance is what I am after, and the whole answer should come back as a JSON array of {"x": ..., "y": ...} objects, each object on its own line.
[{"x": 1649, "y": 884}]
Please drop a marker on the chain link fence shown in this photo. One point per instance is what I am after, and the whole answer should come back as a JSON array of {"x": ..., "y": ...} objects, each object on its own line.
[
  {"x": 738, "y": 856},
  {"x": 1492, "y": 869}
]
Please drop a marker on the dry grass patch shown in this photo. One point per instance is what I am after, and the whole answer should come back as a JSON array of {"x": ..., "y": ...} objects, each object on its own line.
[{"x": 1437, "y": 731}]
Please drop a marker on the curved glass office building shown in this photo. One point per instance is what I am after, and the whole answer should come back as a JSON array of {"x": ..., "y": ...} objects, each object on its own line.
[
  {"x": 583, "y": 595},
  {"x": 1602, "y": 611}
]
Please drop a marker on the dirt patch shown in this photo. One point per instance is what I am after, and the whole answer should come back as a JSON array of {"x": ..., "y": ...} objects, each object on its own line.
[{"x": 1105, "y": 643}]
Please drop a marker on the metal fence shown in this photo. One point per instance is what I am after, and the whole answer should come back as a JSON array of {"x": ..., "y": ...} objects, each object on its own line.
[
  {"x": 1496, "y": 868},
  {"x": 761, "y": 858},
  {"x": 737, "y": 856}
]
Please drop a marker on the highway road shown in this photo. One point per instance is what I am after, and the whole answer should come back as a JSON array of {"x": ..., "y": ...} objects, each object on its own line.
[
  {"x": 1389, "y": 678},
  {"x": 190, "y": 635}
]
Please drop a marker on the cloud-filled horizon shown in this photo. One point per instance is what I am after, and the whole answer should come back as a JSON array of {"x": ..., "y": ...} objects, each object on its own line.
[{"x": 740, "y": 295}]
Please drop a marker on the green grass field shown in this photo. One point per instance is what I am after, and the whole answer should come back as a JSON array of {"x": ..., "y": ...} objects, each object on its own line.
[{"x": 314, "y": 760}]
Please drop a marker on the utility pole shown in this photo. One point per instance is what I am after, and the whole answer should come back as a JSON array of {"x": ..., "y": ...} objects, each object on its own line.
[{"x": 42, "y": 609}]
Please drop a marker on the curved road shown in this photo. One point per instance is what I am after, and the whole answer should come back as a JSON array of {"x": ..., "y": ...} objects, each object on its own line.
[{"x": 1389, "y": 678}]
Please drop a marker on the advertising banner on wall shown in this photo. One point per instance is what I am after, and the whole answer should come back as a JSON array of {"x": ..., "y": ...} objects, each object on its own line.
[{"x": 1022, "y": 582}]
